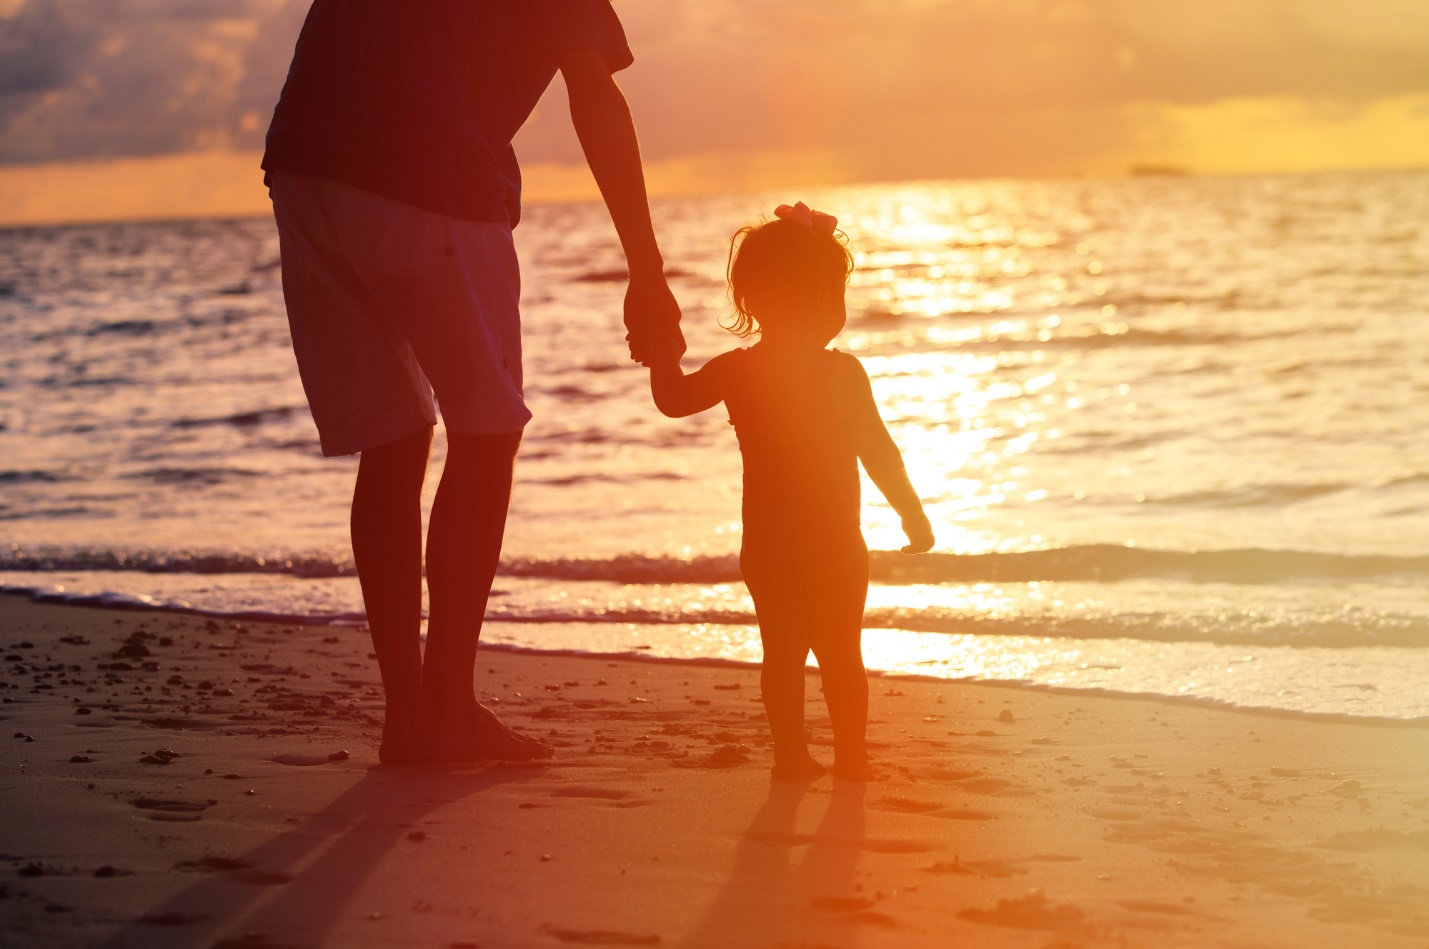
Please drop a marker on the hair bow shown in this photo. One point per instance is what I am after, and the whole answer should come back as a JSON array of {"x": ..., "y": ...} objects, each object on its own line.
[{"x": 808, "y": 217}]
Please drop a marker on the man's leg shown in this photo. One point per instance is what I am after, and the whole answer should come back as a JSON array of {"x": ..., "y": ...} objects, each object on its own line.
[
  {"x": 463, "y": 552},
  {"x": 387, "y": 546}
]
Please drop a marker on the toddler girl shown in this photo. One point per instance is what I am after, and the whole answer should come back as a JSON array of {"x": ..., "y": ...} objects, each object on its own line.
[{"x": 805, "y": 417}]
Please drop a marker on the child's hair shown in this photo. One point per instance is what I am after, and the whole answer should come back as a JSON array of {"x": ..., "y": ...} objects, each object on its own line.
[{"x": 782, "y": 267}]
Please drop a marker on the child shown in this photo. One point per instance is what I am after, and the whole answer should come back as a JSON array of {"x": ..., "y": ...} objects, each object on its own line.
[{"x": 805, "y": 417}]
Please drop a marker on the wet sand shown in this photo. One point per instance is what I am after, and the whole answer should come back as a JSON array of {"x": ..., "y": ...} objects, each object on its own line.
[{"x": 176, "y": 781}]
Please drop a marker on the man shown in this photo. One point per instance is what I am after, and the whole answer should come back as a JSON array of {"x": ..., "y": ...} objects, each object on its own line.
[{"x": 395, "y": 189}]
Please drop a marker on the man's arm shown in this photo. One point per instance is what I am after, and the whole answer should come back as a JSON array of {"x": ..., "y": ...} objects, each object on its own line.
[{"x": 606, "y": 130}]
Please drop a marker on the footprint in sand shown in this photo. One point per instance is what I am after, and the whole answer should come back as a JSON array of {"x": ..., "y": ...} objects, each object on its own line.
[
  {"x": 853, "y": 909},
  {"x": 729, "y": 756},
  {"x": 307, "y": 761},
  {"x": 1032, "y": 911},
  {"x": 599, "y": 937},
  {"x": 870, "y": 844},
  {"x": 171, "y": 811},
  {"x": 616, "y": 797},
  {"x": 173, "y": 919},
  {"x": 1380, "y": 839},
  {"x": 179, "y": 724},
  {"x": 977, "y": 868},
  {"x": 1347, "y": 789},
  {"x": 608, "y": 794},
  {"x": 257, "y": 877},
  {"x": 239, "y": 870},
  {"x": 903, "y": 805},
  {"x": 995, "y": 787},
  {"x": 840, "y": 904},
  {"x": 1160, "y": 909},
  {"x": 945, "y": 774},
  {"x": 251, "y": 941},
  {"x": 212, "y": 865}
]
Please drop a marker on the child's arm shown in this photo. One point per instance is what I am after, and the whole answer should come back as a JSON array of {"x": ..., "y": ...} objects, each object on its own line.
[
  {"x": 884, "y": 464},
  {"x": 677, "y": 395}
]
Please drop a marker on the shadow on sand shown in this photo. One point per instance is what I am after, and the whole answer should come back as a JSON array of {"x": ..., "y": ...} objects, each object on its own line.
[
  {"x": 774, "y": 891},
  {"x": 293, "y": 889}
]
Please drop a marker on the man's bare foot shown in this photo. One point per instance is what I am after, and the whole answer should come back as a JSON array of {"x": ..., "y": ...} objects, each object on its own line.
[
  {"x": 859, "y": 769},
  {"x": 498, "y": 740},
  {"x": 799, "y": 769},
  {"x": 476, "y": 734},
  {"x": 401, "y": 741}
]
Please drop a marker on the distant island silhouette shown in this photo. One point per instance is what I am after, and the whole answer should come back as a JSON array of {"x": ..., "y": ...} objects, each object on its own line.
[{"x": 1157, "y": 170}]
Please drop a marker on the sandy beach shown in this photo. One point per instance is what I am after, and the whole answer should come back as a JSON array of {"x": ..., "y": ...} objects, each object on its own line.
[{"x": 180, "y": 781}]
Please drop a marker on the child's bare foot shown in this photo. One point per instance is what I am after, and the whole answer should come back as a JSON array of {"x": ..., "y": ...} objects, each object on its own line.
[
  {"x": 859, "y": 769},
  {"x": 798, "y": 769}
]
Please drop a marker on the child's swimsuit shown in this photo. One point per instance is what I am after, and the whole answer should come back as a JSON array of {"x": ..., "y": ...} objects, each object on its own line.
[{"x": 800, "y": 428}]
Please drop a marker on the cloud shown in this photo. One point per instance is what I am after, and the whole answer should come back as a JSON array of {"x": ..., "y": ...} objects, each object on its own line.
[
  {"x": 91, "y": 78},
  {"x": 1051, "y": 75},
  {"x": 895, "y": 88},
  {"x": 39, "y": 51},
  {"x": 972, "y": 87}
]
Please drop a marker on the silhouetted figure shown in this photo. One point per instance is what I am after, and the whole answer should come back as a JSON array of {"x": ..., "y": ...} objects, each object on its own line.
[
  {"x": 395, "y": 189},
  {"x": 805, "y": 418}
]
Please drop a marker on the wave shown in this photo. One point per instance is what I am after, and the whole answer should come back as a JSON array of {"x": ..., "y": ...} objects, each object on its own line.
[
  {"x": 499, "y": 639},
  {"x": 105, "y": 560},
  {"x": 1114, "y": 335},
  {"x": 642, "y": 654},
  {"x": 138, "y": 601},
  {"x": 1259, "y": 495},
  {"x": 193, "y": 476},
  {"x": 124, "y": 328},
  {"x": 1091, "y": 562},
  {"x": 1412, "y": 480},
  {"x": 1250, "y": 629},
  {"x": 623, "y": 276},
  {"x": 30, "y": 477},
  {"x": 1097, "y": 562},
  {"x": 240, "y": 419}
]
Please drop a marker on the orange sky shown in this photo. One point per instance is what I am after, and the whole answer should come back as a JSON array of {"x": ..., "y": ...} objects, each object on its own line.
[{"x": 118, "y": 109}]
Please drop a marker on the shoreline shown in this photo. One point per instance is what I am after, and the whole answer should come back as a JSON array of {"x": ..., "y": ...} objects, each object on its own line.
[
  {"x": 1018, "y": 818},
  {"x": 346, "y": 622}
]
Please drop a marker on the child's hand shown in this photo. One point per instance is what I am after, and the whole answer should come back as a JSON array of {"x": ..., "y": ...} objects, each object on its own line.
[
  {"x": 920, "y": 534},
  {"x": 652, "y": 319}
]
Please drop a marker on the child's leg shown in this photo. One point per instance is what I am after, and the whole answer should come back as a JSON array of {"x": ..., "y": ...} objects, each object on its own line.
[
  {"x": 782, "y": 680},
  {"x": 837, "y": 642},
  {"x": 846, "y": 693},
  {"x": 784, "y": 631}
]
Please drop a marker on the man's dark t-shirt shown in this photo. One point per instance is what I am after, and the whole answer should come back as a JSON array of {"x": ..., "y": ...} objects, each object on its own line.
[{"x": 418, "y": 100}]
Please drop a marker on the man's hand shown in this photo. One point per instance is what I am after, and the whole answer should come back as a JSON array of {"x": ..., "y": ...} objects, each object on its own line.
[{"x": 652, "y": 321}]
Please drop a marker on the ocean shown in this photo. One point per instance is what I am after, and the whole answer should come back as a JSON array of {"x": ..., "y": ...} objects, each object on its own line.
[{"x": 1170, "y": 432}]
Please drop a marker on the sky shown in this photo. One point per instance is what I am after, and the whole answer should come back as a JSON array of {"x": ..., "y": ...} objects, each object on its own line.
[{"x": 135, "y": 108}]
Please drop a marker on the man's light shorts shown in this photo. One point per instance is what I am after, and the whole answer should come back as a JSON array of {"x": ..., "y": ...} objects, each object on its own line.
[{"x": 387, "y": 303}]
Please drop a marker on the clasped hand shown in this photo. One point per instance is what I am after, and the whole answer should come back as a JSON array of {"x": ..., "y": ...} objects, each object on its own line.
[{"x": 652, "y": 321}]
